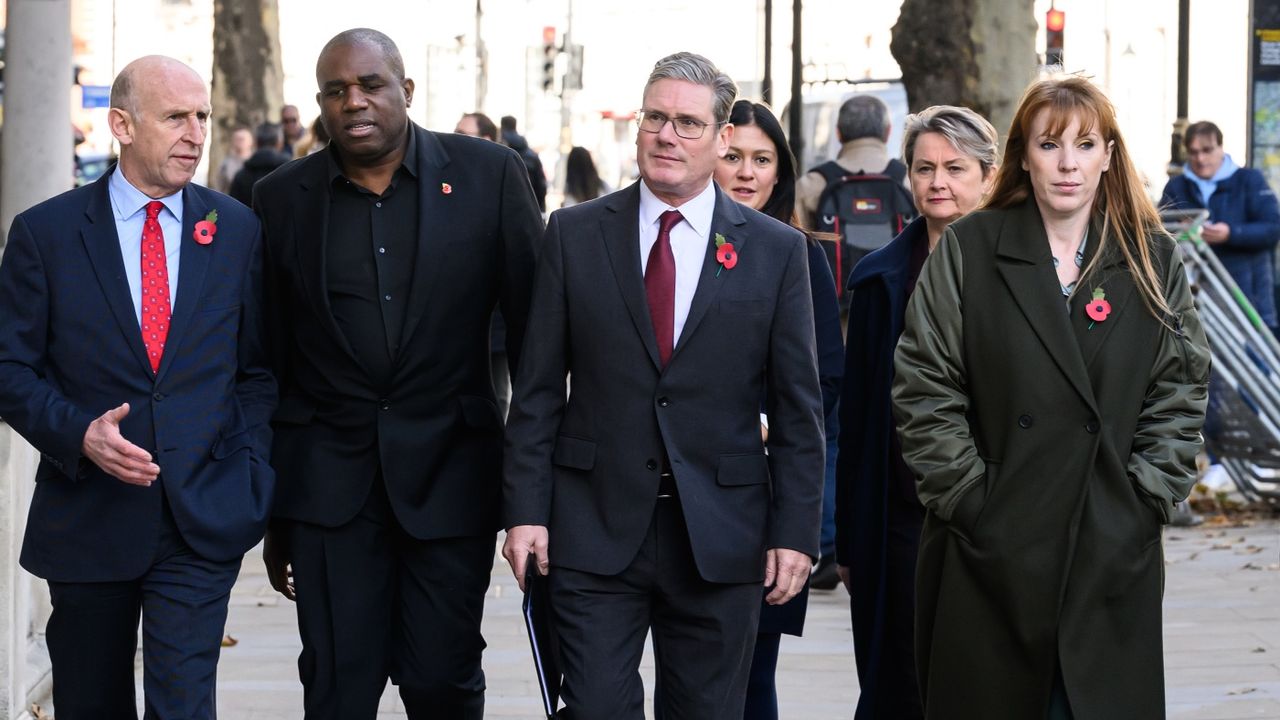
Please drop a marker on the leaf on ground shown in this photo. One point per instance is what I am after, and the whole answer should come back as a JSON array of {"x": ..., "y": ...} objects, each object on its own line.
[
  {"x": 1258, "y": 650},
  {"x": 229, "y": 641},
  {"x": 38, "y": 713},
  {"x": 1242, "y": 691},
  {"x": 1250, "y": 550}
]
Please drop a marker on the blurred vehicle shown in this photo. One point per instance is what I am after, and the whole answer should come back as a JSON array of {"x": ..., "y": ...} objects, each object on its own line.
[
  {"x": 91, "y": 166},
  {"x": 822, "y": 107}
]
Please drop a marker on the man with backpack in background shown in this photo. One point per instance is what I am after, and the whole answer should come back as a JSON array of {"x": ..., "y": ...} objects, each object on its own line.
[
  {"x": 516, "y": 141},
  {"x": 861, "y": 195},
  {"x": 856, "y": 203}
]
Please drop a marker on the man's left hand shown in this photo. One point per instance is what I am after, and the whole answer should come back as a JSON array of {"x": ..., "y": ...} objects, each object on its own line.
[
  {"x": 1215, "y": 233},
  {"x": 786, "y": 570}
]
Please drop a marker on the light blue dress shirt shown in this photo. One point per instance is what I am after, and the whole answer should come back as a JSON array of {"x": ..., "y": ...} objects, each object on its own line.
[{"x": 129, "y": 205}]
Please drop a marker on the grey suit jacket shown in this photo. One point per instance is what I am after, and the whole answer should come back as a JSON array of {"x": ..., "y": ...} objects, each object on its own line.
[{"x": 587, "y": 465}]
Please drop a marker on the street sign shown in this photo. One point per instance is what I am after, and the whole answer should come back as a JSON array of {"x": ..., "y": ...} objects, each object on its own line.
[{"x": 95, "y": 96}]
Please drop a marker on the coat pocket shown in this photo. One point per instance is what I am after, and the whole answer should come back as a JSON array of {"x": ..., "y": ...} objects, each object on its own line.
[
  {"x": 968, "y": 511},
  {"x": 742, "y": 469},
  {"x": 575, "y": 453},
  {"x": 480, "y": 413},
  {"x": 227, "y": 445}
]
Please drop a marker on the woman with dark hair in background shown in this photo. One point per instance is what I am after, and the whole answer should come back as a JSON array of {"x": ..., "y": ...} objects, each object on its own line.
[
  {"x": 581, "y": 181},
  {"x": 760, "y": 172},
  {"x": 1049, "y": 386},
  {"x": 951, "y": 155}
]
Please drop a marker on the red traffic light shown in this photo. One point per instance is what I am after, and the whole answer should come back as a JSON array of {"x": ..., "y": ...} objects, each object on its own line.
[{"x": 1055, "y": 20}]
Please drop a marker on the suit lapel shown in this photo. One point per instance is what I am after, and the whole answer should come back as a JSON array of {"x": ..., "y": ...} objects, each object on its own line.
[
  {"x": 620, "y": 227},
  {"x": 1025, "y": 264},
  {"x": 310, "y": 242},
  {"x": 193, "y": 261},
  {"x": 728, "y": 221},
  {"x": 103, "y": 247},
  {"x": 430, "y": 162}
]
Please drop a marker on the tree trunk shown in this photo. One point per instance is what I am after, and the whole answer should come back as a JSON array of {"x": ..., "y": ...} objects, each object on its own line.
[
  {"x": 248, "y": 80},
  {"x": 975, "y": 53}
]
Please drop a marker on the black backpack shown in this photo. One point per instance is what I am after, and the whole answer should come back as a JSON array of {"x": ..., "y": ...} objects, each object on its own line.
[{"x": 865, "y": 211}]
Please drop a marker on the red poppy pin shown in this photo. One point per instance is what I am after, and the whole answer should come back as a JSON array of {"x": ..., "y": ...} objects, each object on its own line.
[
  {"x": 206, "y": 228},
  {"x": 446, "y": 188},
  {"x": 726, "y": 255},
  {"x": 1098, "y": 308}
]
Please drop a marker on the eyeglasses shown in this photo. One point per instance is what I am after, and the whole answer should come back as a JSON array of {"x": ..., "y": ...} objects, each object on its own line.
[{"x": 687, "y": 128}]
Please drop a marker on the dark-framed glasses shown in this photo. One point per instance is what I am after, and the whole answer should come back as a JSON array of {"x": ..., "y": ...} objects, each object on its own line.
[{"x": 686, "y": 127}]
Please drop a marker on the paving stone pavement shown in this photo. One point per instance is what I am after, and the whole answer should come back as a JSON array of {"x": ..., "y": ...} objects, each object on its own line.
[{"x": 1222, "y": 641}]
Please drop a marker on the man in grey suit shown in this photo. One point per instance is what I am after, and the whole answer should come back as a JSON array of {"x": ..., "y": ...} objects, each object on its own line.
[{"x": 646, "y": 494}]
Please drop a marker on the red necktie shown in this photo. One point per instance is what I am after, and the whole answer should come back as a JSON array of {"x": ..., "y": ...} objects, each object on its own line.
[
  {"x": 660, "y": 285},
  {"x": 155, "y": 286}
]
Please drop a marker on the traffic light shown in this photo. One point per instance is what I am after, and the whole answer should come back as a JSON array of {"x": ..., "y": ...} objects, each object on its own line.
[
  {"x": 1055, "y": 21},
  {"x": 549, "y": 51}
]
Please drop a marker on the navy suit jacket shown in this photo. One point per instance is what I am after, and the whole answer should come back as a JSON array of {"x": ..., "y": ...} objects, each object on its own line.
[
  {"x": 71, "y": 349},
  {"x": 588, "y": 466}
]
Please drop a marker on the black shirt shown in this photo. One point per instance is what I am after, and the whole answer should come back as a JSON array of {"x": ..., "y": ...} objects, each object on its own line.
[{"x": 372, "y": 244}]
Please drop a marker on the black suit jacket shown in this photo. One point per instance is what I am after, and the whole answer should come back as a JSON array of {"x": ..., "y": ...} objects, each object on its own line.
[
  {"x": 434, "y": 431},
  {"x": 588, "y": 467},
  {"x": 71, "y": 349}
]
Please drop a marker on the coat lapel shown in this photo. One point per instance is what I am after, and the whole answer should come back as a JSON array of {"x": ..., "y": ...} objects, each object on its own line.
[
  {"x": 1025, "y": 264},
  {"x": 193, "y": 262},
  {"x": 310, "y": 241},
  {"x": 103, "y": 247},
  {"x": 620, "y": 227},
  {"x": 1112, "y": 276},
  {"x": 431, "y": 162},
  {"x": 728, "y": 221}
]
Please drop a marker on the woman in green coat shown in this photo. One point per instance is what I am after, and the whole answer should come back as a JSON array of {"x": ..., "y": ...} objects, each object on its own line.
[{"x": 1049, "y": 388}]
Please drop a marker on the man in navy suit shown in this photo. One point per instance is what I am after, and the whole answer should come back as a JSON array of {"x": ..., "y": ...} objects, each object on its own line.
[
  {"x": 131, "y": 357},
  {"x": 646, "y": 494}
]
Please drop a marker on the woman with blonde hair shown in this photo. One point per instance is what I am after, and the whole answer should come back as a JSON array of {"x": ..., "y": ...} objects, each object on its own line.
[
  {"x": 951, "y": 155},
  {"x": 1049, "y": 387}
]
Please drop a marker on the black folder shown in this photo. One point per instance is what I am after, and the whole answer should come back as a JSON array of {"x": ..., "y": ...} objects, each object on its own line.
[{"x": 542, "y": 637}]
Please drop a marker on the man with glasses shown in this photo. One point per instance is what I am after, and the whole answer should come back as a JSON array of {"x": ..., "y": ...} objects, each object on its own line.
[
  {"x": 293, "y": 130},
  {"x": 646, "y": 495}
]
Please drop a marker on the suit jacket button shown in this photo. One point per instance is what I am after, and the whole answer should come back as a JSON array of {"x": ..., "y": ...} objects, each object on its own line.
[
  {"x": 1024, "y": 421},
  {"x": 652, "y": 464},
  {"x": 157, "y": 396},
  {"x": 384, "y": 404},
  {"x": 1091, "y": 427},
  {"x": 663, "y": 402}
]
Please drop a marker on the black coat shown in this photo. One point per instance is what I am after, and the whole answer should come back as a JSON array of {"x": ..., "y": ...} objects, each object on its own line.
[
  {"x": 434, "y": 431},
  {"x": 259, "y": 165}
]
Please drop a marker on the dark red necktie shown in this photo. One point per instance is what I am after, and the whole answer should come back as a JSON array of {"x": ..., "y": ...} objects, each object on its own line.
[
  {"x": 155, "y": 287},
  {"x": 660, "y": 285}
]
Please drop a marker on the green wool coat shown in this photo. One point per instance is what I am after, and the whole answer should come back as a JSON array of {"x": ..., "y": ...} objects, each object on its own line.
[{"x": 1048, "y": 453}]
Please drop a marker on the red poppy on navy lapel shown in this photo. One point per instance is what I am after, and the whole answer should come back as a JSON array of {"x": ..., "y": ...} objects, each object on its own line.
[
  {"x": 726, "y": 255},
  {"x": 206, "y": 228}
]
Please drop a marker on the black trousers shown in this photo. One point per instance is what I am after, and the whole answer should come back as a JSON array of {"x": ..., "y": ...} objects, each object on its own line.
[
  {"x": 703, "y": 632},
  {"x": 93, "y": 636},
  {"x": 375, "y": 603}
]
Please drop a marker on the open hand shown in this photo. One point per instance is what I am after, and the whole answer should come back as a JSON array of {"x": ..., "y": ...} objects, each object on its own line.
[{"x": 106, "y": 447}]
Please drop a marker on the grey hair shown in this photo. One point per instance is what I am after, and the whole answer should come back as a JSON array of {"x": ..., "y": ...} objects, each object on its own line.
[
  {"x": 863, "y": 116},
  {"x": 367, "y": 36},
  {"x": 698, "y": 70},
  {"x": 122, "y": 96},
  {"x": 966, "y": 130}
]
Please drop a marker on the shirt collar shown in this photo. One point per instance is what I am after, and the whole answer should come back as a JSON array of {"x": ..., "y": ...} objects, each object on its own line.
[
  {"x": 697, "y": 211},
  {"x": 127, "y": 200},
  {"x": 409, "y": 163}
]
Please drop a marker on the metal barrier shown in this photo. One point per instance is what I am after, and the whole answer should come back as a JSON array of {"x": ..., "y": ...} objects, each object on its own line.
[{"x": 1242, "y": 428}]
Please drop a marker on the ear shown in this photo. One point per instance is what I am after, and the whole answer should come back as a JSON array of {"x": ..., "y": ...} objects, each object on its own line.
[
  {"x": 1106, "y": 162},
  {"x": 723, "y": 138},
  {"x": 989, "y": 179},
  {"x": 407, "y": 86},
  {"x": 121, "y": 124}
]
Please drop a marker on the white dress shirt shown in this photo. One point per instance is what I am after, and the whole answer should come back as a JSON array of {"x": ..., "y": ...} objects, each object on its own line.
[
  {"x": 129, "y": 205},
  {"x": 689, "y": 240}
]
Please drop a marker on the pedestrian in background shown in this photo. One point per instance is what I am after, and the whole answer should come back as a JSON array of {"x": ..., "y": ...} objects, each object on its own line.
[
  {"x": 532, "y": 163},
  {"x": 581, "y": 180},
  {"x": 269, "y": 156},
  {"x": 132, "y": 356},
  {"x": 951, "y": 155},
  {"x": 240, "y": 149},
  {"x": 759, "y": 171},
  {"x": 386, "y": 255},
  {"x": 1049, "y": 386},
  {"x": 316, "y": 140},
  {"x": 294, "y": 132},
  {"x": 477, "y": 124},
  {"x": 1244, "y": 218}
]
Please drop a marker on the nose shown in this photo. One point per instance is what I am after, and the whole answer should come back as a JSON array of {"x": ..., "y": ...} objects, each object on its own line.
[
  {"x": 1067, "y": 159},
  {"x": 195, "y": 131},
  {"x": 355, "y": 99},
  {"x": 667, "y": 134},
  {"x": 746, "y": 170}
]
